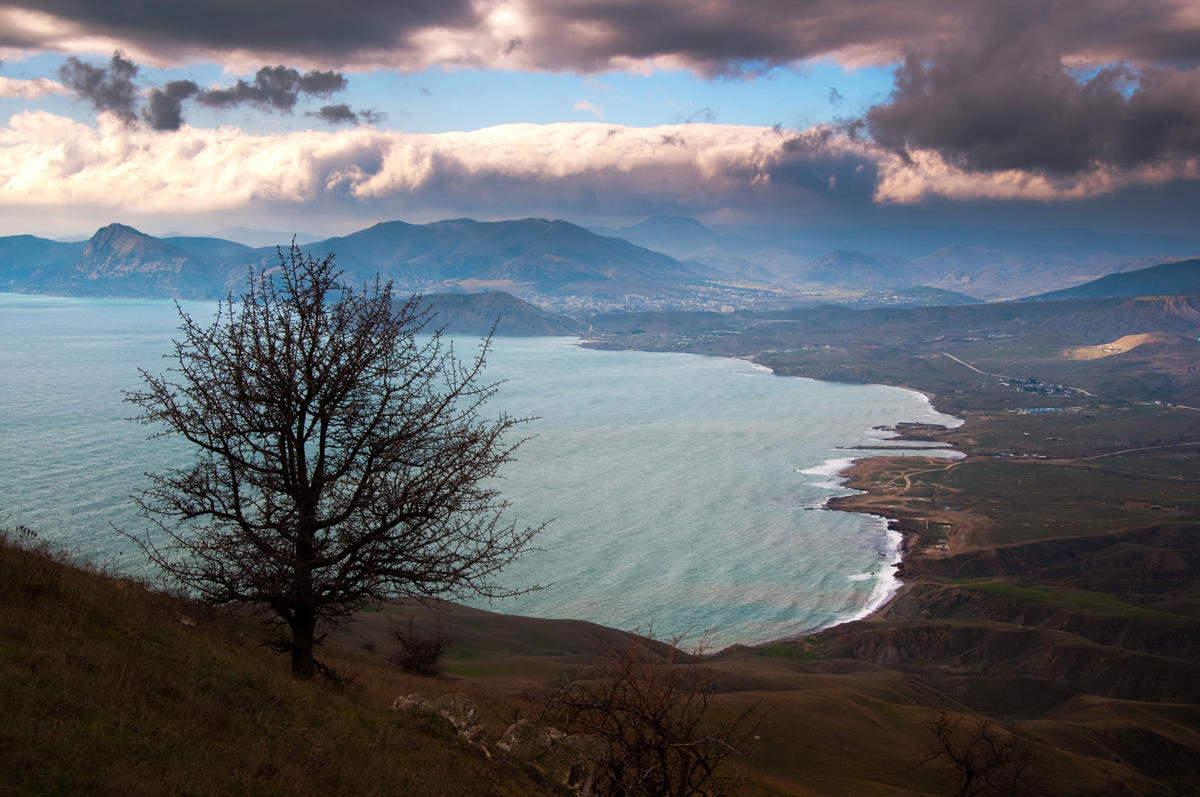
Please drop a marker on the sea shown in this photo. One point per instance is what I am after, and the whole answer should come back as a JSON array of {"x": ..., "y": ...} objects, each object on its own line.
[{"x": 681, "y": 491}]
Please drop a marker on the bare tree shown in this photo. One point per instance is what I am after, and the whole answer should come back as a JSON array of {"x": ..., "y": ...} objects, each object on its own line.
[
  {"x": 982, "y": 757},
  {"x": 652, "y": 706},
  {"x": 341, "y": 459}
]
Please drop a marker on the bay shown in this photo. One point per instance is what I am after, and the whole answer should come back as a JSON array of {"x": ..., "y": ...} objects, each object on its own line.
[{"x": 682, "y": 490}]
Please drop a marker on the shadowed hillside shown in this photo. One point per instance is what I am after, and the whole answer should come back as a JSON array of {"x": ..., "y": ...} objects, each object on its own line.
[
  {"x": 107, "y": 687},
  {"x": 478, "y": 313},
  {"x": 1182, "y": 277}
]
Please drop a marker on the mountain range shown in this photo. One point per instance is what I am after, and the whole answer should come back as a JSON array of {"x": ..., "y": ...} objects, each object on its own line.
[
  {"x": 986, "y": 264},
  {"x": 1166, "y": 279},
  {"x": 672, "y": 258},
  {"x": 523, "y": 256}
]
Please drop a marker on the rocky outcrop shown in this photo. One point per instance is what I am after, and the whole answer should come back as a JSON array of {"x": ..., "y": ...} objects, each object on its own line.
[
  {"x": 120, "y": 261},
  {"x": 568, "y": 760},
  {"x": 565, "y": 759},
  {"x": 458, "y": 709}
]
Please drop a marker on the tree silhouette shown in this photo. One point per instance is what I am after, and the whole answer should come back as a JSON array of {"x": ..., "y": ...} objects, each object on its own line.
[
  {"x": 341, "y": 460},
  {"x": 982, "y": 757},
  {"x": 651, "y": 704}
]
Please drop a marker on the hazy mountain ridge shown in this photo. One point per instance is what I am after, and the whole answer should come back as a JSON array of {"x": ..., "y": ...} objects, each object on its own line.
[
  {"x": 986, "y": 264},
  {"x": 736, "y": 256},
  {"x": 260, "y": 239},
  {"x": 547, "y": 260},
  {"x": 1174, "y": 278},
  {"x": 21, "y": 256},
  {"x": 856, "y": 271},
  {"x": 122, "y": 262}
]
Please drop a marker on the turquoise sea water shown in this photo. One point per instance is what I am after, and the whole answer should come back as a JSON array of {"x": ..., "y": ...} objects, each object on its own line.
[{"x": 682, "y": 490}]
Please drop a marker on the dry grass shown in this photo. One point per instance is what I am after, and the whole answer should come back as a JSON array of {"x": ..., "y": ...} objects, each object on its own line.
[
  {"x": 105, "y": 690},
  {"x": 107, "y": 687}
]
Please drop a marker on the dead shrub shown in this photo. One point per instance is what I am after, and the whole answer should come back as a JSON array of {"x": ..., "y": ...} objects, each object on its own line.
[
  {"x": 417, "y": 651},
  {"x": 652, "y": 705},
  {"x": 981, "y": 757}
]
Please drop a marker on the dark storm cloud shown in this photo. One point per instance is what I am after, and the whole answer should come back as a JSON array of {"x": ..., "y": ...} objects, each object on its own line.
[
  {"x": 111, "y": 87},
  {"x": 165, "y": 107},
  {"x": 323, "y": 30},
  {"x": 107, "y": 87},
  {"x": 344, "y": 114},
  {"x": 711, "y": 36},
  {"x": 274, "y": 88},
  {"x": 337, "y": 114},
  {"x": 1002, "y": 99}
]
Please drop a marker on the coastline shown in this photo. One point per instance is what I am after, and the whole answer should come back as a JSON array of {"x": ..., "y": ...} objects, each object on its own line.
[{"x": 875, "y": 479}]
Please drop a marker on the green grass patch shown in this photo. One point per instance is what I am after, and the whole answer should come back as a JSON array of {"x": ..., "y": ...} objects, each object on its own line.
[{"x": 1067, "y": 598}]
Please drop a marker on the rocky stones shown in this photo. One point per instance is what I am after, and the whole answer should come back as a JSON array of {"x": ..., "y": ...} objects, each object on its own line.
[
  {"x": 566, "y": 759},
  {"x": 458, "y": 709}
]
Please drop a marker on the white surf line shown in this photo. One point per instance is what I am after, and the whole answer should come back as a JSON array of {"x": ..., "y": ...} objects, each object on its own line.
[{"x": 1002, "y": 376}]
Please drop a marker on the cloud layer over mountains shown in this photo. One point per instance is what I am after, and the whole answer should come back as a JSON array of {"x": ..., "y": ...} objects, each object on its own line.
[
  {"x": 48, "y": 160},
  {"x": 1035, "y": 100}
]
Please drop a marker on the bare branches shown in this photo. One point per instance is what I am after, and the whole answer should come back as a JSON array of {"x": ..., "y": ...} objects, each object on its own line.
[
  {"x": 651, "y": 704},
  {"x": 341, "y": 459},
  {"x": 981, "y": 757},
  {"x": 419, "y": 651}
]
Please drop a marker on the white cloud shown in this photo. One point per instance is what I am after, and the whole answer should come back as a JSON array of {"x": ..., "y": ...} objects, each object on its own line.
[
  {"x": 50, "y": 160},
  {"x": 30, "y": 89},
  {"x": 586, "y": 168},
  {"x": 585, "y": 105},
  {"x": 928, "y": 174}
]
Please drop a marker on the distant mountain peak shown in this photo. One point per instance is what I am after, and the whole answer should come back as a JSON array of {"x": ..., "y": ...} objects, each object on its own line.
[
  {"x": 122, "y": 261},
  {"x": 675, "y": 223},
  {"x": 133, "y": 248}
]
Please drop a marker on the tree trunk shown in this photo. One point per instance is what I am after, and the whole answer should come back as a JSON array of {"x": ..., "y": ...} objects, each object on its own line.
[{"x": 304, "y": 629}]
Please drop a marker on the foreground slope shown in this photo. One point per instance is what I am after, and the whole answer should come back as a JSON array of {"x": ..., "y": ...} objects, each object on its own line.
[{"x": 107, "y": 687}]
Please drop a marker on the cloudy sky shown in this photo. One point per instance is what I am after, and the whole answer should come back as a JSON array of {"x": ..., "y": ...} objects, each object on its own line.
[{"x": 327, "y": 117}]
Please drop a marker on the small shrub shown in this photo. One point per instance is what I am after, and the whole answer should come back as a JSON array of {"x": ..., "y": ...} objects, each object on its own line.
[
  {"x": 981, "y": 757},
  {"x": 31, "y": 571},
  {"x": 419, "y": 652},
  {"x": 651, "y": 705}
]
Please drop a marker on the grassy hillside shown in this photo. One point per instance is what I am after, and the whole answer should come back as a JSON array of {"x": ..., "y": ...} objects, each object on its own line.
[{"x": 107, "y": 687}]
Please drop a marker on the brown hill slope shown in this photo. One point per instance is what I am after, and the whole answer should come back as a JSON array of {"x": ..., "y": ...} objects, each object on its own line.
[{"x": 109, "y": 688}]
